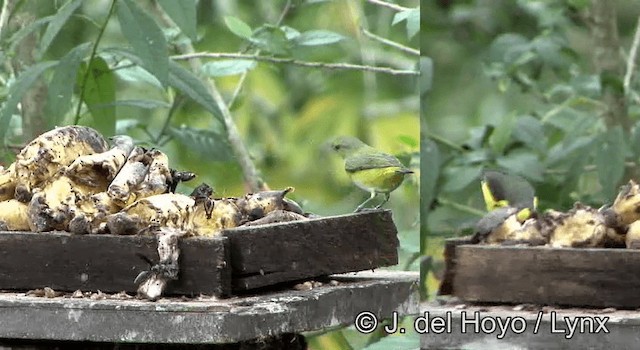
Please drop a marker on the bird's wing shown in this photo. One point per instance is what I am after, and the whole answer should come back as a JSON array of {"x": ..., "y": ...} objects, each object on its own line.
[{"x": 370, "y": 161}]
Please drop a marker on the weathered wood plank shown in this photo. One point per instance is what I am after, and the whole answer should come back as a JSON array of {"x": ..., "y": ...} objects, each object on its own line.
[
  {"x": 554, "y": 327},
  {"x": 67, "y": 262},
  {"x": 446, "y": 286},
  {"x": 208, "y": 320},
  {"x": 541, "y": 275},
  {"x": 269, "y": 254}
]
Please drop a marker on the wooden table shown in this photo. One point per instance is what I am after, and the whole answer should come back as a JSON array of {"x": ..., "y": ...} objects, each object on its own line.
[
  {"x": 67, "y": 322},
  {"x": 606, "y": 328}
]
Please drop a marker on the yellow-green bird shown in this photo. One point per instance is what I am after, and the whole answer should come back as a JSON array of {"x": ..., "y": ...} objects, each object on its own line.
[
  {"x": 508, "y": 190},
  {"x": 371, "y": 170}
]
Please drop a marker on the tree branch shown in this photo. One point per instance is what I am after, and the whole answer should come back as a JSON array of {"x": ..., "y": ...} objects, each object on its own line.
[
  {"x": 391, "y": 43},
  {"x": 7, "y": 9},
  {"x": 602, "y": 21},
  {"x": 94, "y": 50},
  {"x": 344, "y": 66},
  {"x": 389, "y": 5},
  {"x": 249, "y": 171},
  {"x": 631, "y": 60}
]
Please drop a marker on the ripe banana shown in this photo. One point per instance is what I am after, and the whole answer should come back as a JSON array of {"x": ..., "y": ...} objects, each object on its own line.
[{"x": 46, "y": 154}]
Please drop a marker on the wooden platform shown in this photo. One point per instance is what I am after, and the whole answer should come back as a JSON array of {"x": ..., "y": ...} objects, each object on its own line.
[
  {"x": 583, "y": 277},
  {"x": 241, "y": 259},
  {"x": 207, "y": 320},
  {"x": 553, "y": 332}
]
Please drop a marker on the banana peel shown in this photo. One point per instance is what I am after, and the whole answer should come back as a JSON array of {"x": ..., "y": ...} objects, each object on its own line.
[
  {"x": 8, "y": 182},
  {"x": 582, "y": 226},
  {"x": 53, "y": 207},
  {"x": 43, "y": 157},
  {"x": 130, "y": 176},
  {"x": 257, "y": 205},
  {"x": 626, "y": 207},
  {"x": 99, "y": 169},
  {"x": 157, "y": 178},
  {"x": 632, "y": 238},
  {"x": 13, "y": 216}
]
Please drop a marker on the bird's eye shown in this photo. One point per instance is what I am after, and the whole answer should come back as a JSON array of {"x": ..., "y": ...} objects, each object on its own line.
[{"x": 336, "y": 147}]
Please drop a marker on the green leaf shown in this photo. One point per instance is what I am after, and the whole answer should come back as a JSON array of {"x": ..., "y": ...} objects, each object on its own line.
[
  {"x": 290, "y": 33},
  {"x": 407, "y": 341},
  {"x": 17, "y": 90},
  {"x": 189, "y": 84},
  {"x": 460, "y": 177},
  {"x": 182, "y": 80},
  {"x": 143, "y": 104},
  {"x": 508, "y": 48},
  {"x": 210, "y": 145},
  {"x": 529, "y": 130},
  {"x": 124, "y": 125},
  {"x": 61, "y": 87},
  {"x": 587, "y": 85},
  {"x": 562, "y": 152},
  {"x": 502, "y": 134},
  {"x": 318, "y": 37},
  {"x": 227, "y": 67},
  {"x": 412, "y": 16},
  {"x": 99, "y": 91},
  {"x": 523, "y": 163},
  {"x": 610, "y": 158},
  {"x": 183, "y": 12},
  {"x": 145, "y": 37},
  {"x": 59, "y": 19},
  {"x": 238, "y": 27},
  {"x": 18, "y": 36},
  {"x": 271, "y": 39}
]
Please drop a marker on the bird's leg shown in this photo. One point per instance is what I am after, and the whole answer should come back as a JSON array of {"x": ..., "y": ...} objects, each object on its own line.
[
  {"x": 361, "y": 206},
  {"x": 386, "y": 199}
]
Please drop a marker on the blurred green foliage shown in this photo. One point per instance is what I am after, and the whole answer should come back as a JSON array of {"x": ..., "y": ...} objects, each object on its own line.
[
  {"x": 108, "y": 64},
  {"x": 536, "y": 88}
]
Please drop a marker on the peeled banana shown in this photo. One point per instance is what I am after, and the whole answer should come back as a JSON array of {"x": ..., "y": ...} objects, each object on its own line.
[{"x": 46, "y": 154}]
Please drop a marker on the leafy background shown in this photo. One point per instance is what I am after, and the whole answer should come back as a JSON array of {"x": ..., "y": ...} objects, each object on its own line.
[
  {"x": 240, "y": 122},
  {"x": 544, "y": 89}
]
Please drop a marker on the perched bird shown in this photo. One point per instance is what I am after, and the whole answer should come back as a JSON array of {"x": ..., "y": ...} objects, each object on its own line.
[
  {"x": 371, "y": 170},
  {"x": 510, "y": 201},
  {"x": 508, "y": 190}
]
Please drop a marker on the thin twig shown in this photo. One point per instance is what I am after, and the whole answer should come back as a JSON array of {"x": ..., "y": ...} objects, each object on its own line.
[
  {"x": 346, "y": 66},
  {"x": 7, "y": 8},
  {"x": 391, "y": 43},
  {"x": 460, "y": 207},
  {"x": 94, "y": 50},
  {"x": 439, "y": 139},
  {"x": 389, "y": 5},
  {"x": 631, "y": 60},
  {"x": 177, "y": 102}
]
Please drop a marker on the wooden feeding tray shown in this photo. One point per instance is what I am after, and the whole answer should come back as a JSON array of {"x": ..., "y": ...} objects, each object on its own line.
[
  {"x": 240, "y": 259},
  {"x": 588, "y": 277}
]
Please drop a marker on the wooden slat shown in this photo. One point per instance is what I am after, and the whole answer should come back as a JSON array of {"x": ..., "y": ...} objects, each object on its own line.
[
  {"x": 270, "y": 254},
  {"x": 577, "y": 277},
  {"x": 205, "y": 320},
  {"x": 67, "y": 262},
  {"x": 446, "y": 286}
]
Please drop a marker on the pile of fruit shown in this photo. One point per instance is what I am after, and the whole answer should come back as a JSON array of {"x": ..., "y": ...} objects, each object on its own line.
[
  {"x": 71, "y": 179},
  {"x": 513, "y": 219}
]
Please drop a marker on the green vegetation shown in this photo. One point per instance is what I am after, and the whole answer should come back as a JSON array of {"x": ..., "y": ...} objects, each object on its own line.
[
  {"x": 246, "y": 94},
  {"x": 544, "y": 89}
]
